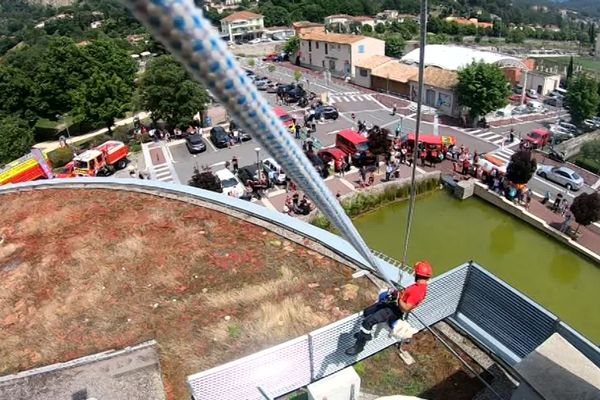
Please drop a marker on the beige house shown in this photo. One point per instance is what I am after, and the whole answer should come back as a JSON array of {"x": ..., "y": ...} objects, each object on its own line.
[
  {"x": 337, "y": 53},
  {"x": 302, "y": 27},
  {"x": 439, "y": 91},
  {"x": 542, "y": 82},
  {"x": 345, "y": 20},
  {"x": 393, "y": 77},
  {"x": 242, "y": 25},
  {"x": 364, "y": 67}
]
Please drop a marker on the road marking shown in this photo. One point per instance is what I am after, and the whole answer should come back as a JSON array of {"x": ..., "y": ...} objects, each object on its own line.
[
  {"x": 333, "y": 133},
  {"x": 268, "y": 204},
  {"x": 347, "y": 184},
  {"x": 212, "y": 146},
  {"x": 486, "y": 135},
  {"x": 421, "y": 170},
  {"x": 218, "y": 164}
]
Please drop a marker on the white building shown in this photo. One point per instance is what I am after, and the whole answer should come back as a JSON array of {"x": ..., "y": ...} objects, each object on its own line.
[
  {"x": 542, "y": 82},
  {"x": 439, "y": 91},
  {"x": 337, "y": 53},
  {"x": 243, "y": 25}
]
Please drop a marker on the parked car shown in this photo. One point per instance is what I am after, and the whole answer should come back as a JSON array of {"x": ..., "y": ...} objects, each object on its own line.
[
  {"x": 254, "y": 41},
  {"x": 262, "y": 85},
  {"x": 249, "y": 72},
  {"x": 261, "y": 79},
  {"x": 518, "y": 89},
  {"x": 272, "y": 88},
  {"x": 553, "y": 101},
  {"x": 531, "y": 93},
  {"x": 295, "y": 95},
  {"x": 283, "y": 115},
  {"x": 536, "y": 106},
  {"x": 286, "y": 88},
  {"x": 250, "y": 173},
  {"x": 590, "y": 125},
  {"x": 195, "y": 144},
  {"x": 231, "y": 185},
  {"x": 562, "y": 175},
  {"x": 219, "y": 137},
  {"x": 570, "y": 127},
  {"x": 327, "y": 112},
  {"x": 516, "y": 98},
  {"x": 271, "y": 57},
  {"x": 560, "y": 134},
  {"x": 274, "y": 171},
  {"x": 237, "y": 131}
]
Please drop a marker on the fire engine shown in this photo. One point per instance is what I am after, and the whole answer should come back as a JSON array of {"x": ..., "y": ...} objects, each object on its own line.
[{"x": 99, "y": 161}]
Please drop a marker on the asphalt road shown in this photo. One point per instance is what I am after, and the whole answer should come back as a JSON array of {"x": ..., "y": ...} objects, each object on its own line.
[{"x": 365, "y": 107}]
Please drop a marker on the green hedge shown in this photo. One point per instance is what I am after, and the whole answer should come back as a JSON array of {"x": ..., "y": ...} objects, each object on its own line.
[
  {"x": 588, "y": 164},
  {"x": 363, "y": 202}
]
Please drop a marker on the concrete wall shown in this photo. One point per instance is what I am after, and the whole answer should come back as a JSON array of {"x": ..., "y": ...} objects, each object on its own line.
[
  {"x": 340, "y": 59},
  {"x": 547, "y": 83},
  {"x": 449, "y": 106},
  {"x": 482, "y": 191},
  {"x": 364, "y": 81},
  {"x": 313, "y": 56}
]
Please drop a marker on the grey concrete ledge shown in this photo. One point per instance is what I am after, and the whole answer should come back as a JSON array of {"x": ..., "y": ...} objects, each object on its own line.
[{"x": 282, "y": 224}]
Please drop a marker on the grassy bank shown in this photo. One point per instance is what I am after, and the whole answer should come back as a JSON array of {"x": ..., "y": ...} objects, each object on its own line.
[{"x": 357, "y": 203}]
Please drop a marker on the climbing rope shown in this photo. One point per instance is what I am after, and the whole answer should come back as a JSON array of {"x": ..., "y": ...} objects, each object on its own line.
[
  {"x": 192, "y": 40},
  {"x": 413, "y": 172}
]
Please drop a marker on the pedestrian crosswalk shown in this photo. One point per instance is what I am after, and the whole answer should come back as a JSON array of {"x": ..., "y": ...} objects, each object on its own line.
[
  {"x": 349, "y": 97},
  {"x": 162, "y": 173},
  {"x": 503, "y": 154},
  {"x": 489, "y": 136}
]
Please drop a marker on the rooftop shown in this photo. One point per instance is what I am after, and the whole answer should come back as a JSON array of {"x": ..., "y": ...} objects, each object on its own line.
[
  {"x": 454, "y": 57},
  {"x": 241, "y": 16},
  {"x": 340, "y": 38},
  {"x": 439, "y": 78},
  {"x": 85, "y": 271},
  {"x": 374, "y": 61},
  {"x": 396, "y": 71}
]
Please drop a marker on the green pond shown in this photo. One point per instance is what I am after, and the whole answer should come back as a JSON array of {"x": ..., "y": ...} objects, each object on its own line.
[{"x": 449, "y": 232}]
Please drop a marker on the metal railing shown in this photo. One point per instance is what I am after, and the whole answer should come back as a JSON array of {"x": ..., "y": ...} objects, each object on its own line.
[{"x": 502, "y": 320}]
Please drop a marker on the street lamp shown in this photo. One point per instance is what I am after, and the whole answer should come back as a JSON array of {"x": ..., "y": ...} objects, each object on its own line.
[{"x": 257, "y": 150}]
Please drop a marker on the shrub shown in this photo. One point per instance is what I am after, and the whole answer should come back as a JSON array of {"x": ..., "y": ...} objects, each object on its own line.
[
  {"x": 121, "y": 134},
  {"x": 61, "y": 156}
]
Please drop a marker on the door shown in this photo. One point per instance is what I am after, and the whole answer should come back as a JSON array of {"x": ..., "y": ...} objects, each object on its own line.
[
  {"x": 332, "y": 65},
  {"x": 430, "y": 97},
  {"x": 560, "y": 177},
  {"x": 539, "y": 89}
]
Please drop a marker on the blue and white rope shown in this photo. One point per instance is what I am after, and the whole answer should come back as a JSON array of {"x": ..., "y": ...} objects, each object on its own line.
[{"x": 190, "y": 37}]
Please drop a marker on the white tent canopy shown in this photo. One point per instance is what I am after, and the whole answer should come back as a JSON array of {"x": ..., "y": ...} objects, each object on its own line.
[{"x": 455, "y": 57}]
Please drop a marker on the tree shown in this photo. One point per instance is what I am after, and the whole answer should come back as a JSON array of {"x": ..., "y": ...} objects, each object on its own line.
[
  {"x": 394, "y": 46},
  {"x": 366, "y": 28},
  {"x": 206, "y": 180},
  {"x": 591, "y": 151},
  {"x": 292, "y": 45},
  {"x": 16, "y": 94},
  {"x": 380, "y": 28},
  {"x": 275, "y": 16},
  {"x": 570, "y": 70},
  {"x": 521, "y": 167},
  {"x": 515, "y": 36},
  {"x": 252, "y": 63},
  {"x": 582, "y": 98},
  {"x": 482, "y": 88},
  {"x": 271, "y": 68},
  {"x": 16, "y": 138},
  {"x": 101, "y": 99},
  {"x": 378, "y": 140},
  {"x": 169, "y": 93},
  {"x": 586, "y": 208},
  {"x": 297, "y": 75}
]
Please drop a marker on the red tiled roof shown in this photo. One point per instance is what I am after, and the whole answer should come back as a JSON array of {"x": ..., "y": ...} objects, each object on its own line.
[{"x": 241, "y": 15}]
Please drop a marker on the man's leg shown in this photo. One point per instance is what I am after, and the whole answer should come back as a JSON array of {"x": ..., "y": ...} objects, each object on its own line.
[{"x": 372, "y": 316}]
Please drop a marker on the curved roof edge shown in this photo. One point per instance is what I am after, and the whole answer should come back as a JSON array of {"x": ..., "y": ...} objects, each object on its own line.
[{"x": 333, "y": 243}]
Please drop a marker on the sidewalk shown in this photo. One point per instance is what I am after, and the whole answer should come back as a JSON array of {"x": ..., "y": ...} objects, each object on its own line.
[{"x": 52, "y": 145}]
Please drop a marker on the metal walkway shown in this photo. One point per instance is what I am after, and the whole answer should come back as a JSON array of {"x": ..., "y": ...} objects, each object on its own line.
[{"x": 492, "y": 313}]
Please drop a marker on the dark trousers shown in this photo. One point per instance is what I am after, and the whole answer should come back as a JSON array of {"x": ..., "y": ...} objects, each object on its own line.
[{"x": 379, "y": 313}]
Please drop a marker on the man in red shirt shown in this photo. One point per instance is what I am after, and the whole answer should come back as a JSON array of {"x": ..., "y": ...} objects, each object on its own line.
[{"x": 394, "y": 307}]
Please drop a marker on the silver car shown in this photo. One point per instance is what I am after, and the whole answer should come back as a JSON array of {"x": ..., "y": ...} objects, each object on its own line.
[{"x": 562, "y": 175}]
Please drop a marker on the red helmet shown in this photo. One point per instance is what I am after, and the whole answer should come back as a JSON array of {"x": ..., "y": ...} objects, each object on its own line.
[{"x": 423, "y": 268}]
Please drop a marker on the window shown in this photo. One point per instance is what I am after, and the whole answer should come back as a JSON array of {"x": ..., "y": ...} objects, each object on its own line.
[
  {"x": 326, "y": 48},
  {"x": 309, "y": 45},
  {"x": 361, "y": 49},
  {"x": 332, "y": 65},
  {"x": 323, "y": 62},
  {"x": 317, "y": 45},
  {"x": 363, "y": 72}
]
